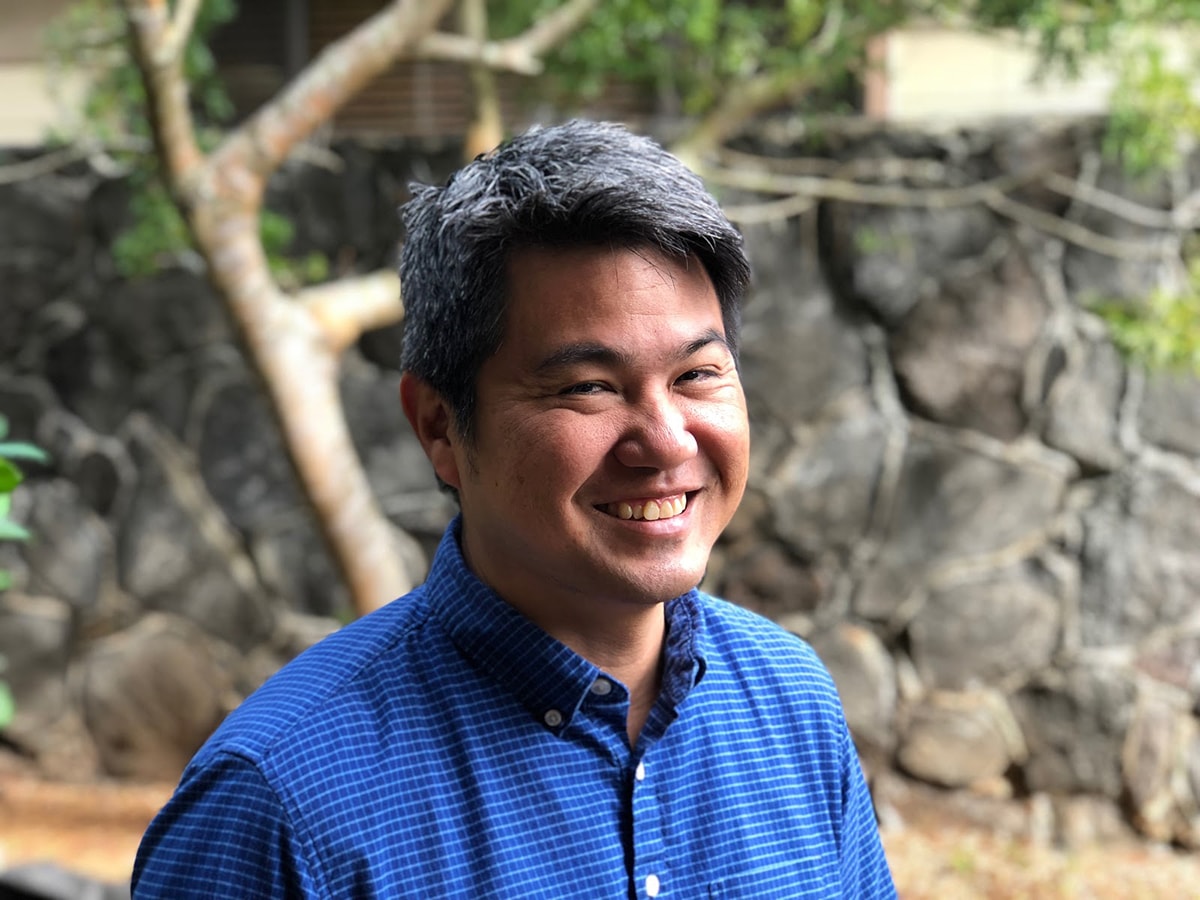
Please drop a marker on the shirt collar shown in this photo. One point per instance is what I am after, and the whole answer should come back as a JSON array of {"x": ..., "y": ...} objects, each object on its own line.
[{"x": 547, "y": 677}]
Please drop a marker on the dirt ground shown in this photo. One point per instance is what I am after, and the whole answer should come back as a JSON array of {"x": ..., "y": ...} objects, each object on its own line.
[{"x": 94, "y": 830}]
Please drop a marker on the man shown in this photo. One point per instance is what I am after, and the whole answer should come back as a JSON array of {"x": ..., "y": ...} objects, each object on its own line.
[{"x": 557, "y": 711}]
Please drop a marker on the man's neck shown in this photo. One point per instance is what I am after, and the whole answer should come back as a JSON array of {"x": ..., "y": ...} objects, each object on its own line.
[{"x": 629, "y": 648}]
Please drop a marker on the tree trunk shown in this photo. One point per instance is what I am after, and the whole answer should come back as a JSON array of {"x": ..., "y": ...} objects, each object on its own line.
[{"x": 294, "y": 343}]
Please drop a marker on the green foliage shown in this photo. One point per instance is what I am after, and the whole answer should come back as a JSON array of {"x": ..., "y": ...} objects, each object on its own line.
[
  {"x": 157, "y": 233},
  {"x": 10, "y": 477},
  {"x": 276, "y": 233},
  {"x": 8, "y": 707},
  {"x": 91, "y": 39},
  {"x": 1162, "y": 333},
  {"x": 1155, "y": 115},
  {"x": 693, "y": 51}
]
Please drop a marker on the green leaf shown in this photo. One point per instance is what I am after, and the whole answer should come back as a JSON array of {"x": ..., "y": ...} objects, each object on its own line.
[
  {"x": 8, "y": 707},
  {"x": 10, "y": 477},
  {"x": 11, "y": 531},
  {"x": 21, "y": 450},
  {"x": 5, "y": 580}
]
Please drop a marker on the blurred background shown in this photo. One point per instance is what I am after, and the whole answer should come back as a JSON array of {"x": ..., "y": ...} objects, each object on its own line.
[{"x": 971, "y": 354}]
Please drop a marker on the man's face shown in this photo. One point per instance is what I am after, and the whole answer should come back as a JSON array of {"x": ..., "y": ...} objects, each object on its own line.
[{"x": 611, "y": 440}]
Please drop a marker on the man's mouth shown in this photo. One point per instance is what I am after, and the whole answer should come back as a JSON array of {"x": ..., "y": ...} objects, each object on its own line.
[{"x": 650, "y": 510}]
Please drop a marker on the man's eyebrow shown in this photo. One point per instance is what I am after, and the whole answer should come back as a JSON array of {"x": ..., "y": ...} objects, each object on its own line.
[
  {"x": 589, "y": 352},
  {"x": 581, "y": 353}
]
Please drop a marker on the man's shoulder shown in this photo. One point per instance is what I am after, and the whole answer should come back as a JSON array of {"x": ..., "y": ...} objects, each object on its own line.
[
  {"x": 751, "y": 632},
  {"x": 769, "y": 654},
  {"x": 339, "y": 675}
]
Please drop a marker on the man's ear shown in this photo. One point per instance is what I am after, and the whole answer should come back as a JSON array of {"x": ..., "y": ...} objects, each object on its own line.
[{"x": 429, "y": 414}]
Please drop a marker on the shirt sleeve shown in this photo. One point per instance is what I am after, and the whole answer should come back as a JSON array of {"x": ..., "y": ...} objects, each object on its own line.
[
  {"x": 224, "y": 833},
  {"x": 864, "y": 868}
]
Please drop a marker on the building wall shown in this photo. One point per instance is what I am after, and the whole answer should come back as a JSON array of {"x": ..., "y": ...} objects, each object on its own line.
[
  {"x": 29, "y": 108},
  {"x": 940, "y": 74}
]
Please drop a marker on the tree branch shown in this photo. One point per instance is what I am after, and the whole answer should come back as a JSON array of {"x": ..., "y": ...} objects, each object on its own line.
[
  {"x": 1070, "y": 231},
  {"x": 346, "y": 309},
  {"x": 855, "y": 192},
  {"x": 993, "y": 194},
  {"x": 42, "y": 165},
  {"x": 520, "y": 54},
  {"x": 458, "y": 48},
  {"x": 336, "y": 75},
  {"x": 166, "y": 93},
  {"x": 178, "y": 32},
  {"x": 554, "y": 28},
  {"x": 770, "y": 210},
  {"x": 740, "y": 103},
  {"x": 1132, "y": 212}
]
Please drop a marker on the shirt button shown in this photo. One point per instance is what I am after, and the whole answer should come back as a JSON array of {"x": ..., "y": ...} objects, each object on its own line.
[
  {"x": 653, "y": 885},
  {"x": 553, "y": 718},
  {"x": 601, "y": 687},
  {"x": 640, "y": 774}
]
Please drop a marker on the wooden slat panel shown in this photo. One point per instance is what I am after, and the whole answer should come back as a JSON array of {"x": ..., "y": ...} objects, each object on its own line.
[{"x": 414, "y": 99}]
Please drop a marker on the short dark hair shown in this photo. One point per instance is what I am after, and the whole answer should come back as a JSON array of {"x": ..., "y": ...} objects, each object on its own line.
[{"x": 576, "y": 184}]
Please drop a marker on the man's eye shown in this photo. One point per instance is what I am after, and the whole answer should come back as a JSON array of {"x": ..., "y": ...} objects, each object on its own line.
[
  {"x": 584, "y": 387},
  {"x": 696, "y": 375}
]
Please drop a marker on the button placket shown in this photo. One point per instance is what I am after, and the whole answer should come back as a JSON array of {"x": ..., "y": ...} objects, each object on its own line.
[{"x": 647, "y": 833}]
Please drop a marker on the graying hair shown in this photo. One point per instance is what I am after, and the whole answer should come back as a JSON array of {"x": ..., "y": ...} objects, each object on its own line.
[{"x": 580, "y": 183}]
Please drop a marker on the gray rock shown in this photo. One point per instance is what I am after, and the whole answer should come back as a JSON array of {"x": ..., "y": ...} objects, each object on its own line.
[
  {"x": 151, "y": 695},
  {"x": 888, "y": 258},
  {"x": 955, "y": 739},
  {"x": 1149, "y": 760},
  {"x": 998, "y": 626},
  {"x": 1169, "y": 415},
  {"x": 1140, "y": 567},
  {"x": 822, "y": 492},
  {"x": 36, "y": 637},
  {"x": 47, "y": 881},
  {"x": 1075, "y": 724},
  {"x": 1188, "y": 833},
  {"x": 178, "y": 553},
  {"x": 1082, "y": 407},
  {"x": 798, "y": 353},
  {"x": 240, "y": 453},
  {"x": 960, "y": 354},
  {"x": 766, "y": 578},
  {"x": 865, "y": 677},
  {"x": 73, "y": 557},
  {"x": 955, "y": 504}
]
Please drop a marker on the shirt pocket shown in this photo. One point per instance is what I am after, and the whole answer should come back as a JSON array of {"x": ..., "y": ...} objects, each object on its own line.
[{"x": 778, "y": 880}]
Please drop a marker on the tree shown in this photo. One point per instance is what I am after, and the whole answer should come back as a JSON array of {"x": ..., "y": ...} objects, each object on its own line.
[{"x": 216, "y": 182}]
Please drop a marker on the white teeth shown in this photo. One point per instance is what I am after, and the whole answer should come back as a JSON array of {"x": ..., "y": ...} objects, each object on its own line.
[{"x": 651, "y": 510}]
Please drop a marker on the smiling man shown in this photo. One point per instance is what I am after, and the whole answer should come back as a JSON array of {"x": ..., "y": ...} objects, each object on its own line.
[{"x": 557, "y": 711}]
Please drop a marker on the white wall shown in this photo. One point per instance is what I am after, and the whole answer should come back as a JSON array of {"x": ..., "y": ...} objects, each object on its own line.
[
  {"x": 27, "y": 99},
  {"x": 937, "y": 74}
]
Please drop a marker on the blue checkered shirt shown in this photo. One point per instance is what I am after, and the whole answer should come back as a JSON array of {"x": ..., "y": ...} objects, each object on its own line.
[{"x": 445, "y": 746}]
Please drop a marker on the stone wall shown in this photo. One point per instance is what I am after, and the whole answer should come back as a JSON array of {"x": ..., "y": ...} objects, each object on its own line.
[{"x": 984, "y": 520}]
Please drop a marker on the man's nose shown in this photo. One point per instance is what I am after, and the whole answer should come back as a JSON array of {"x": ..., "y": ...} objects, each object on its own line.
[{"x": 658, "y": 436}]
